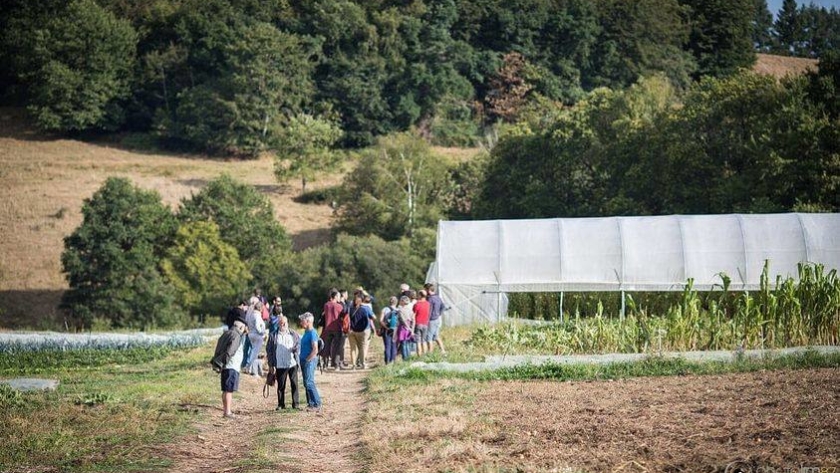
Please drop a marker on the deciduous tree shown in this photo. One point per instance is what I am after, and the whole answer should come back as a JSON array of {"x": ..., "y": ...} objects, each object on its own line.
[{"x": 111, "y": 259}]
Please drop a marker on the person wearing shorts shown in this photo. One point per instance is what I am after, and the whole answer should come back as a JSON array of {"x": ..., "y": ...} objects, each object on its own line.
[{"x": 230, "y": 373}]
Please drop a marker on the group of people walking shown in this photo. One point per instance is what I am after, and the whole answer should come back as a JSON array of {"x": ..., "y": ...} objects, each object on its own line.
[{"x": 410, "y": 323}]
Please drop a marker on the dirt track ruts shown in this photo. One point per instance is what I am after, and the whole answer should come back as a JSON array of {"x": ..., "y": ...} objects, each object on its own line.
[{"x": 300, "y": 441}]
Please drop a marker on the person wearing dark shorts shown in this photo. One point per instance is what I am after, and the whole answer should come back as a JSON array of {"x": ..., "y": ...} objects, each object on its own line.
[
  {"x": 230, "y": 380},
  {"x": 230, "y": 373}
]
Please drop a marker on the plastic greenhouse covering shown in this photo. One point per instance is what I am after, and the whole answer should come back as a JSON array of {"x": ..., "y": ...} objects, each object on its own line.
[{"x": 478, "y": 262}]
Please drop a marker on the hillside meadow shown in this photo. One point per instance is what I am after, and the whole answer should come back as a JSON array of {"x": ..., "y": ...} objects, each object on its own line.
[{"x": 45, "y": 180}]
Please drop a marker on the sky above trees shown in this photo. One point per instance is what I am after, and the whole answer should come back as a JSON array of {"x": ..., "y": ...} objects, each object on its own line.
[{"x": 775, "y": 5}]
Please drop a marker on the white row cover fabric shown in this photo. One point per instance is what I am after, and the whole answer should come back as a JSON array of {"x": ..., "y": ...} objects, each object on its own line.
[{"x": 478, "y": 261}]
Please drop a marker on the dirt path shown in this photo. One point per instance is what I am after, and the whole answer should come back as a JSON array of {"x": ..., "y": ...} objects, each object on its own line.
[{"x": 233, "y": 445}]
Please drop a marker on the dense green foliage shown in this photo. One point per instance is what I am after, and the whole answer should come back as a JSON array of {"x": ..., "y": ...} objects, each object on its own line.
[
  {"x": 78, "y": 63},
  {"x": 33, "y": 362},
  {"x": 395, "y": 189},
  {"x": 111, "y": 259},
  {"x": 743, "y": 143},
  {"x": 132, "y": 264},
  {"x": 304, "y": 144},
  {"x": 227, "y": 76},
  {"x": 784, "y": 312},
  {"x": 206, "y": 271},
  {"x": 305, "y": 278},
  {"x": 804, "y": 30},
  {"x": 246, "y": 222}
]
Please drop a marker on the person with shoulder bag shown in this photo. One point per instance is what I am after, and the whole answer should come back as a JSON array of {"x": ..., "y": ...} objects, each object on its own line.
[{"x": 283, "y": 352}]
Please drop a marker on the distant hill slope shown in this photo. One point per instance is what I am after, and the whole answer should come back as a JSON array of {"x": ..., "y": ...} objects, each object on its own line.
[
  {"x": 43, "y": 181},
  {"x": 781, "y": 66}
]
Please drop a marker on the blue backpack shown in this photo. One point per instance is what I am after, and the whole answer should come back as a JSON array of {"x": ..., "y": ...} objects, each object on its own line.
[{"x": 393, "y": 318}]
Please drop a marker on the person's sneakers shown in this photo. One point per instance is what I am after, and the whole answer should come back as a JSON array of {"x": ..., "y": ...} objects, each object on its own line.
[
  {"x": 279, "y": 408},
  {"x": 313, "y": 409},
  {"x": 229, "y": 415}
]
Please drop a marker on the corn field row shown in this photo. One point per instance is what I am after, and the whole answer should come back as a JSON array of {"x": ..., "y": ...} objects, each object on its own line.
[{"x": 785, "y": 312}]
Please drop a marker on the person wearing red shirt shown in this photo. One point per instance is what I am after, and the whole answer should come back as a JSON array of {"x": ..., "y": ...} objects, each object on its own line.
[{"x": 422, "y": 311}]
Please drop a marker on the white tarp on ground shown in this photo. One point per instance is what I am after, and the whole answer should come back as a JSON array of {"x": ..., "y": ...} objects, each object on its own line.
[{"x": 478, "y": 261}]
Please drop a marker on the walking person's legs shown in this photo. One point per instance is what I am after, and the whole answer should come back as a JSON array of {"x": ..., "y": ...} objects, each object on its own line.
[
  {"x": 433, "y": 336},
  {"x": 365, "y": 345},
  {"x": 387, "y": 340},
  {"x": 230, "y": 384},
  {"x": 281, "y": 387},
  {"x": 354, "y": 348},
  {"x": 314, "y": 399},
  {"x": 293, "y": 374},
  {"x": 341, "y": 345}
]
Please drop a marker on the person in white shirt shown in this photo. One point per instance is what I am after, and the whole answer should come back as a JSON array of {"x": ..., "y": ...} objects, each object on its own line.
[{"x": 283, "y": 352}]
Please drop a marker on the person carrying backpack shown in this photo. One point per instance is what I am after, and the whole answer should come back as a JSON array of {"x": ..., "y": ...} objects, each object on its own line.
[
  {"x": 227, "y": 360},
  {"x": 388, "y": 321}
]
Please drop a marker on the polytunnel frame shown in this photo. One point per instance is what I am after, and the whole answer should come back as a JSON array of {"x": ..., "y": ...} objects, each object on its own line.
[{"x": 821, "y": 246}]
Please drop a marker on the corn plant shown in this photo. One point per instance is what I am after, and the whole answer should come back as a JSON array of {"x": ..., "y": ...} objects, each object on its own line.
[{"x": 783, "y": 312}]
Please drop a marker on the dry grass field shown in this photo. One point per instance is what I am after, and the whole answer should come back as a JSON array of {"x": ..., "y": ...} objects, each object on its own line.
[
  {"x": 44, "y": 180},
  {"x": 761, "y": 421},
  {"x": 781, "y": 66}
]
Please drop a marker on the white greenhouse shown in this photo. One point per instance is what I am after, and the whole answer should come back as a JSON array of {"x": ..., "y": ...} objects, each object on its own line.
[{"x": 478, "y": 262}]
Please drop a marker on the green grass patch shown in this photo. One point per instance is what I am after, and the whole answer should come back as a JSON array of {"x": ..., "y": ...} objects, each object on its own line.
[
  {"x": 111, "y": 410},
  {"x": 48, "y": 361},
  {"x": 396, "y": 376},
  {"x": 324, "y": 195}
]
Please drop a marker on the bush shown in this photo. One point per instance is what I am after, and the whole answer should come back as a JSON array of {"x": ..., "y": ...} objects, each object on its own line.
[
  {"x": 206, "y": 271},
  {"x": 111, "y": 259},
  {"x": 377, "y": 265},
  {"x": 246, "y": 221}
]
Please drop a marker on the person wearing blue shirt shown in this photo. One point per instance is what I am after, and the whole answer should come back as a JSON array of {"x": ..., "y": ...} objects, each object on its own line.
[
  {"x": 308, "y": 361},
  {"x": 361, "y": 321}
]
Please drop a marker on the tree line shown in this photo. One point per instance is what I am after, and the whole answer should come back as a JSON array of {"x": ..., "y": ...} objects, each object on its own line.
[
  {"x": 228, "y": 76},
  {"x": 602, "y": 107},
  {"x": 741, "y": 143},
  {"x": 803, "y": 30}
]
